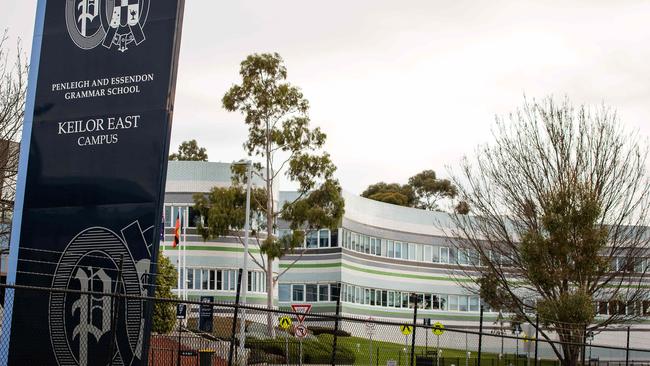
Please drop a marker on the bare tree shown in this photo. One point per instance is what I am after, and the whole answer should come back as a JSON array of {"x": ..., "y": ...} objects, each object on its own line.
[
  {"x": 13, "y": 86},
  {"x": 559, "y": 205}
]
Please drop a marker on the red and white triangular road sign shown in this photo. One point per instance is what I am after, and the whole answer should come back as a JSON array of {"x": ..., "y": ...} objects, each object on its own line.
[{"x": 301, "y": 311}]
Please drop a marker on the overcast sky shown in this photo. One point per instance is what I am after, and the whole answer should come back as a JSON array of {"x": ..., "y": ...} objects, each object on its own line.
[{"x": 402, "y": 86}]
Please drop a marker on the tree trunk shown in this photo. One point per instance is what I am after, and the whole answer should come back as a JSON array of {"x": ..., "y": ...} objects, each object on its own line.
[
  {"x": 270, "y": 214},
  {"x": 571, "y": 352},
  {"x": 269, "y": 296}
]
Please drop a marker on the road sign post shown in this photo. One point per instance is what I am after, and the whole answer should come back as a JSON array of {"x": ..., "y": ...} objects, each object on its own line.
[
  {"x": 438, "y": 329},
  {"x": 285, "y": 323},
  {"x": 300, "y": 331}
]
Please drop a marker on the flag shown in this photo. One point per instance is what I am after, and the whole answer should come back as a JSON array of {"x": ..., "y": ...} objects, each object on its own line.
[{"x": 177, "y": 231}]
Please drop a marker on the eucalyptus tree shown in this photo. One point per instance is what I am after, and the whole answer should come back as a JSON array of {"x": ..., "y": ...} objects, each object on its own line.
[
  {"x": 281, "y": 138},
  {"x": 190, "y": 151}
]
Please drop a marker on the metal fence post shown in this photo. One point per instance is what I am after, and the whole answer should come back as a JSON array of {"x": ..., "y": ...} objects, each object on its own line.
[
  {"x": 415, "y": 325},
  {"x": 178, "y": 355},
  {"x": 234, "y": 320},
  {"x": 584, "y": 345},
  {"x": 536, "y": 337},
  {"x": 480, "y": 336},
  {"x": 336, "y": 327},
  {"x": 627, "y": 348}
]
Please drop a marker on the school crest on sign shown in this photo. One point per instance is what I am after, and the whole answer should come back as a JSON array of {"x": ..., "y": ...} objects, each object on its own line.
[{"x": 115, "y": 24}]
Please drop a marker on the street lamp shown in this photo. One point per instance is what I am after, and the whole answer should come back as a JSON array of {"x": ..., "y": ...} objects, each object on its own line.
[
  {"x": 244, "y": 279},
  {"x": 590, "y": 338}
]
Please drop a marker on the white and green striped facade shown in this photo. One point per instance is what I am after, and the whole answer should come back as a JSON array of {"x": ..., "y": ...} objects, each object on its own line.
[{"x": 378, "y": 255}]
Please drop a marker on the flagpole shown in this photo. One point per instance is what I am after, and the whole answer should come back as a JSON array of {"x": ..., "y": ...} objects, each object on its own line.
[
  {"x": 184, "y": 225},
  {"x": 179, "y": 263}
]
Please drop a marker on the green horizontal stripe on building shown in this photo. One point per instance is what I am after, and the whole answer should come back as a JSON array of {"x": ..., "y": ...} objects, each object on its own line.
[
  {"x": 211, "y": 248},
  {"x": 348, "y": 308},
  {"x": 411, "y": 276},
  {"x": 372, "y": 271}
]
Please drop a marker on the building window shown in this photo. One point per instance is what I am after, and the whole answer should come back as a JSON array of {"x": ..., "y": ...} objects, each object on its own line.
[
  {"x": 427, "y": 301},
  {"x": 435, "y": 254},
  {"x": 474, "y": 304},
  {"x": 168, "y": 216},
  {"x": 412, "y": 252},
  {"x": 190, "y": 278},
  {"x": 298, "y": 293},
  {"x": 463, "y": 303},
  {"x": 205, "y": 279},
  {"x": 462, "y": 257},
  {"x": 335, "y": 292},
  {"x": 453, "y": 302},
  {"x": 444, "y": 255},
  {"x": 311, "y": 239},
  {"x": 391, "y": 249},
  {"x": 323, "y": 238},
  {"x": 284, "y": 293},
  {"x": 405, "y": 300},
  {"x": 443, "y": 302},
  {"x": 233, "y": 280},
  {"x": 193, "y": 217},
  {"x": 398, "y": 250},
  {"x": 312, "y": 293},
  {"x": 323, "y": 293},
  {"x": 212, "y": 279}
]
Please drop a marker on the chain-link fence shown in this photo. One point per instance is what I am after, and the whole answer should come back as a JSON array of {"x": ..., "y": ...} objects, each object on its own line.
[{"x": 94, "y": 328}]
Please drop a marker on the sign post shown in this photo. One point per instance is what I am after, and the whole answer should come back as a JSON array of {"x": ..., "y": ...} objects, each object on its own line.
[
  {"x": 91, "y": 179},
  {"x": 406, "y": 329},
  {"x": 438, "y": 330},
  {"x": 285, "y": 323},
  {"x": 300, "y": 330},
  {"x": 370, "y": 331}
]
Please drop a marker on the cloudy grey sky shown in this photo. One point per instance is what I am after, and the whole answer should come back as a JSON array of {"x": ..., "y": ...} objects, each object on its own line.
[{"x": 400, "y": 86}]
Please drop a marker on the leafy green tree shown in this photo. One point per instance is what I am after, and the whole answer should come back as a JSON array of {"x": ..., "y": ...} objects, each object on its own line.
[
  {"x": 462, "y": 208},
  {"x": 424, "y": 190},
  {"x": 279, "y": 134},
  {"x": 560, "y": 204},
  {"x": 394, "y": 193},
  {"x": 429, "y": 190},
  {"x": 190, "y": 151},
  {"x": 164, "y": 313}
]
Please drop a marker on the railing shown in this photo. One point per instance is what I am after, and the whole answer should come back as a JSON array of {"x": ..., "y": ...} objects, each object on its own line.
[{"x": 209, "y": 333}]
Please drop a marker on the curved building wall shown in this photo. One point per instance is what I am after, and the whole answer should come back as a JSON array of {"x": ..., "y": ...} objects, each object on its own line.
[{"x": 211, "y": 265}]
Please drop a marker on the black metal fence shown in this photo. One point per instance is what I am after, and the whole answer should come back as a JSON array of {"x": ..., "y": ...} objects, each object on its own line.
[{"x": 216, "y": 333}]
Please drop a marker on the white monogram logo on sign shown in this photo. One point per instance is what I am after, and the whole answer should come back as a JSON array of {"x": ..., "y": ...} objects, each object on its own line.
[
  {"x": 93, "y": 326},
  {"x": 111, "y": 23},
  {"x": 88, "y": 306}
]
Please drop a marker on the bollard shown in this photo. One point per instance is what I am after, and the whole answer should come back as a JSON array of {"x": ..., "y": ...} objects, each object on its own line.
[{"x": 205, "y": 357}]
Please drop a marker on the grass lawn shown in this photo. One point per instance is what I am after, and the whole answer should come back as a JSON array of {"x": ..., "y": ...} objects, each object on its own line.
[{"x": 392, "y": 351}]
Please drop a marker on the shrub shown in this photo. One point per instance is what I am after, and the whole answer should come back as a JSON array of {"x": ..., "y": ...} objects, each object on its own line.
[
  {"x": 315, "y": 350},
  {"x": 326, "y": 330}
]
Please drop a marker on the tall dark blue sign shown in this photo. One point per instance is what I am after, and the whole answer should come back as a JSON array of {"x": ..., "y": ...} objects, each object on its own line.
[
  {"x": 206, "y": 313},
  {"x": 91, "y": 180}
]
